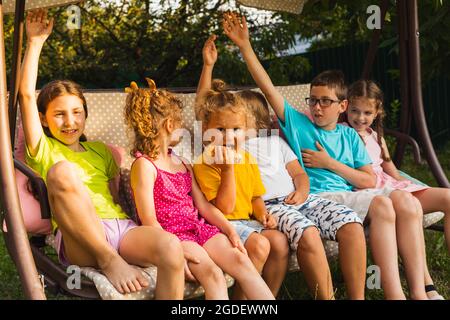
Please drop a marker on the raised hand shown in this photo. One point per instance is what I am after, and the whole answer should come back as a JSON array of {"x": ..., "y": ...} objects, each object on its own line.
[
  {"x": 235, "y": 27},
  {"x": 209, "y": 51},
  {"x": 38, "y": 27}
]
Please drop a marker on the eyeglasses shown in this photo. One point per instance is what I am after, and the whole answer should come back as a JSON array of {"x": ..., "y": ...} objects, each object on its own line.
[{"x": 322, "y": 102}]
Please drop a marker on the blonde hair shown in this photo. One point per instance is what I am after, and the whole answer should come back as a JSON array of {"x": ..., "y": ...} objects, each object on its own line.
[
  {"x": 368, "y": 89},
  {"x": 218, "y": 99},
  {"x": 146, "y": 111},
  {"x": 257, "y": 105}
]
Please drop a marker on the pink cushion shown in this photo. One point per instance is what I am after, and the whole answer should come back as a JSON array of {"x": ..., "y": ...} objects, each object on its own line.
[{"x": 31, "y": 208}]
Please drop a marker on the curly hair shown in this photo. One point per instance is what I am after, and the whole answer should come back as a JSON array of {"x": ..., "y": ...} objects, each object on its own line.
[
  {"x": 146, "y": 111},
  {"x": 218, "y": 99}
]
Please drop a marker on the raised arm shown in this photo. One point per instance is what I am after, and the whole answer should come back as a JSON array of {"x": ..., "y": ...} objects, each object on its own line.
[
  {"x": 209, "y": 54},
  {"x": 143, "y": 176},
  {"x": 38, "y": 29},
  {"x": 236, "y": 29}
]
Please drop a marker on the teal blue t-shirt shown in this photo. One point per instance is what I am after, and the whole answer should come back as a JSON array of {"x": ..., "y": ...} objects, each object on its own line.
[{"x": 342, "y": 144}]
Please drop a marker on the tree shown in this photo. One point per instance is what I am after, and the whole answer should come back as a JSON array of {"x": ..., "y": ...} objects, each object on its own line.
[{"x": 121, "y": 41}]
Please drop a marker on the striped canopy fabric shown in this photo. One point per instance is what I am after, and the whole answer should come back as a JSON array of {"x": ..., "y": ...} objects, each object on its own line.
[
  {"x": 292, "y": 6},
  {"x": 10, "y": 5}
]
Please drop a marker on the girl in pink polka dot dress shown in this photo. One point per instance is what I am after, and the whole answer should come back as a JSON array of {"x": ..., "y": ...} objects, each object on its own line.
[{"x": 167, "y": 196}]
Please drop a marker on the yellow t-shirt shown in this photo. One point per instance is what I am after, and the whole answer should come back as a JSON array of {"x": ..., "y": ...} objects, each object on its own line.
[
  {"x": 95, "y": 167},
  {"x": 248, "y": 184}
]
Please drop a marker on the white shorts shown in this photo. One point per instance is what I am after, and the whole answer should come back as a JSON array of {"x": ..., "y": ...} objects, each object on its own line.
[{"x": 358, "y": 201}]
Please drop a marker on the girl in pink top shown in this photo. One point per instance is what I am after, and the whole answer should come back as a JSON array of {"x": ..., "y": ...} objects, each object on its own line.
[
  {"x": 365, "y": 114},
  {"x": 167, "y": 196}
]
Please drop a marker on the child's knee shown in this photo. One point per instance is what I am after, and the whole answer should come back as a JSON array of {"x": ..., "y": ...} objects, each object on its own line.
[
  {"x": 170, "y": 251},
  {"x": 406, "y": 205},
  {"x": 61, "y": 176},
  {"x": 258, "y": 247},
  {"x": 279, "y": 245},
  {"x": 310, "y": 242},
  {"x": 213, "y": 272},
  {"x": 351, "y": 232},
  {"x": 446, "y": 199},
  {"x": 381, "y": 209}
]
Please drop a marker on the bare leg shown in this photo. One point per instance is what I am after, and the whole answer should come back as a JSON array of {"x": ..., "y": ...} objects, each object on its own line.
[
  {"x": 239, "y": 266},
  {"x": 352, "y": 257},
  {"x": 84, "y": 237},
  {"x": 383, "y": 244},
  {"x": 145, "y": 246},
  {"x": 276, "y": 265},
  {"x": 313, "y": 263},
  {"x": 207, "y": 272},
  {"x": 437, "y": 199},
  {"x": 258, "y": 248},
  {"x": 428, "y": 279},
  {"x": 410, "y": 242}
]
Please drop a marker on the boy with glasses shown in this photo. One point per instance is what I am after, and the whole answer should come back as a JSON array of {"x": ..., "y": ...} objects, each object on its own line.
[{"x": 336, "y": 162}]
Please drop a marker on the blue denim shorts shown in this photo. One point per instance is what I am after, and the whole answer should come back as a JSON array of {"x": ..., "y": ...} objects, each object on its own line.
[{"x": 245, "y": 228}]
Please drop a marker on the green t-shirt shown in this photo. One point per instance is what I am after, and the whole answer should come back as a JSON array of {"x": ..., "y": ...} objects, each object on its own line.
[{"x": 95, "y": 166}]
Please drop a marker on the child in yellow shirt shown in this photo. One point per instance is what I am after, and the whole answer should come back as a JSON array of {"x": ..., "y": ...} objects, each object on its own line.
[{"x": 230, "y": 179}]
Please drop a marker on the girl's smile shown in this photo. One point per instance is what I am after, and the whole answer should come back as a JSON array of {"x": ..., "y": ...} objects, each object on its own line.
[
  {"x": 65, "y": 118},
  {"x": 361, "y": 114}
]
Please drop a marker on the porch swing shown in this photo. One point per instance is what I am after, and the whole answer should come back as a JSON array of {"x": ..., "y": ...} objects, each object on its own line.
[{"x": 28, "y": 250}]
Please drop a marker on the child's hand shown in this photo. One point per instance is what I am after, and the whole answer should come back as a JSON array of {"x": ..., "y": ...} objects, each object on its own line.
[
  {"x": 209, "y": 51},
  {"x": 269, "y": 221},
  {"x": 235, "y": 28},
  {"x": 316, "y": 159},
  {"x": 187, "y": 272},
  {"x": 296, "y": 198},
  {"x": 236, "y": 242},
  {"x": 38, "y": 27},
  {"x": 221, "y": 157}
]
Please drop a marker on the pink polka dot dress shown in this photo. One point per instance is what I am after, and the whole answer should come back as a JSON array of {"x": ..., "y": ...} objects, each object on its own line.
[{"x": 175, "y": 209}]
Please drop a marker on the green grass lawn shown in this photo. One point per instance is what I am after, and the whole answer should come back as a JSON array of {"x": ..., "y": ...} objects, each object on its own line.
[{"x": 294, "y": 286}]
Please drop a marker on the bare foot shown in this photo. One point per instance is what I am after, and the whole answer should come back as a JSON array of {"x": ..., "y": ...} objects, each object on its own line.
[{"x": 124, "y": 277}]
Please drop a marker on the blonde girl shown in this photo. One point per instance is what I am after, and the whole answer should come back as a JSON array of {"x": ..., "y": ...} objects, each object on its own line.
[
  {"x": 167, "y": 197},
  {"x": 236, "y": 188}
]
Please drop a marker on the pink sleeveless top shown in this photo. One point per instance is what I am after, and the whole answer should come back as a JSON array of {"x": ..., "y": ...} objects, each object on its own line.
[
  {"x": 383, "y": 179},
  {"x": 174, "y": 206}
]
